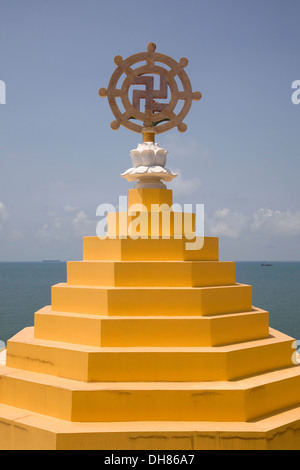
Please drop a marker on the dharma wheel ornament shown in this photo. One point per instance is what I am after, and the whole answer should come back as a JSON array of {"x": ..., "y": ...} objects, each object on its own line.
[{"x": 137, "y": 108}]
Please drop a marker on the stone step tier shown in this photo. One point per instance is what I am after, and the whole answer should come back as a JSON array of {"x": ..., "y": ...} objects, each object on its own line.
[
  {"x": 150, "y": 331},
  {"x": 243, "y": 400},
  {"x": 135, "y": 364},
  {"x": 22, "y": 429}
]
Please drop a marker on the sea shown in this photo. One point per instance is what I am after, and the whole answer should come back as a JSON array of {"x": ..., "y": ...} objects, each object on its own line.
[{"x": 26, "y": 288}]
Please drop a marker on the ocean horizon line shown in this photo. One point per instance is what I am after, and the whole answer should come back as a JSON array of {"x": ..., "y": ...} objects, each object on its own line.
[{"x": 263, "y": 260}]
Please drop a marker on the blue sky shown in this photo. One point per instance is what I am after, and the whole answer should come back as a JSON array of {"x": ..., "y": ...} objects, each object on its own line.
[{"x": 240, "y": 154}]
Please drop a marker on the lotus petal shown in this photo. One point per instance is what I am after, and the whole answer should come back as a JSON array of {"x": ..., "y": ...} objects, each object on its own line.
[
  {"x": 148, "y": 157},
  {"x": 161, "y": 157}
]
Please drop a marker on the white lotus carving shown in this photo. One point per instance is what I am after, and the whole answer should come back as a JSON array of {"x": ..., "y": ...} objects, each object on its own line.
[
  {"x": 148, "y": 154},
  {"x": 149, "y": 172},
  {"x": 148, "y": 161}
]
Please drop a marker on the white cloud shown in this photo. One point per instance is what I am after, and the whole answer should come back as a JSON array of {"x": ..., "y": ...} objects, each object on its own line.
[
  {"x": 69, "y": 208},
  {"x": 82, "y": 225},
  {"x": 263, "y": 223},
  {"x": 226, "y": 223},
  {"x": 72, "y": 222},
  {"x": 3, "y": 211},
  {"x": 279, "y": 223},
  {"x": 183, "y": 186}
]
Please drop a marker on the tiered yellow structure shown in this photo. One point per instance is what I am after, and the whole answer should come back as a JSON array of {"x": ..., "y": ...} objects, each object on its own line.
[{"x": 150, "y": 346}]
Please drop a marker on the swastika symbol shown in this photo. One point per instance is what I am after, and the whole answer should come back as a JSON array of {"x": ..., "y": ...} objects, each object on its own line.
[
  {"x": 157, "y": 116},
  {"x": 149, "y": 94}
]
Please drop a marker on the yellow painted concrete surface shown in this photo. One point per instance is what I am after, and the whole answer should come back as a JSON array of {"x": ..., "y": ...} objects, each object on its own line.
[
  {"x": 169, "y": 249},
  {"x": 152, "y": 301},
  {"x": 135, "y": 364},
  {"x": 150, "y": 331},
  {"x": 244, "y": 400},
  {"x": 151, "y": 273},
  {"x": 139, "y": 223},
  {"x": 150, "y": 213},
  {"x": 149, "y": 197},
  {"x": 23, "y": 430}
]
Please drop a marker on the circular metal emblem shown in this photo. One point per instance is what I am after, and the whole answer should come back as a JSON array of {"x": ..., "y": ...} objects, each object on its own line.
[{"x": 126, "y": 98}]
